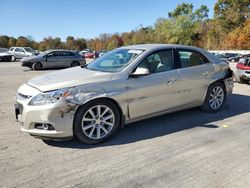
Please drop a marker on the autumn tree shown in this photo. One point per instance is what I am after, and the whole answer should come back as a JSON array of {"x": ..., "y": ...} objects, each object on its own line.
[
  {"x": 12, "y": 42},
  {"x": 22, "y": 41}
]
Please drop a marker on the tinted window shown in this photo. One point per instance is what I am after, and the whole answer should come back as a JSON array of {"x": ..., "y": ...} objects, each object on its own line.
[
  {"x": 191, "y": 58},
  {"x": 28, "y": 49},
  {"x": 11, "y": 49},
  {"x": 159, "y": 62},
  {"x": 67, "y": 54},
  {"x": 19, "y": 50},
  {"x": 52, "y": 54}
]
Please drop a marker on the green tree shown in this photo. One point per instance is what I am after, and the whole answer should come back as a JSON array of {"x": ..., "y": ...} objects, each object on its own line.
[
  {"x": 184, "y": 25},
  {"x": 4, "y": 41},
  {"x": 232, "y": 13},
  {"x": 184, "y": 9}
]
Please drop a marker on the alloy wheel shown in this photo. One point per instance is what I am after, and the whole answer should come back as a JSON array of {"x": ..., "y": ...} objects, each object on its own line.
[
  {"x": 216, "y": 97},
  {"x": 98, "y": 122}
]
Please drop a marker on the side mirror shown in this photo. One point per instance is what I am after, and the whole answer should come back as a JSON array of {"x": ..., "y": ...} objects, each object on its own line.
[
  {"x": 140, "y": 71},
  {"x": 45, "y": 58}
]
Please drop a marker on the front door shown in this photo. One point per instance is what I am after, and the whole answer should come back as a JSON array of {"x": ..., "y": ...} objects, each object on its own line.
[
  {"x": 52, "y": 60},
  {"x": 157, "y": 91}
]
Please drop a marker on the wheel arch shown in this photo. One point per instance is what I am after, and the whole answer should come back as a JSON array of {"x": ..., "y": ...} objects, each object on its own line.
[{"x": 122, "y": 117}]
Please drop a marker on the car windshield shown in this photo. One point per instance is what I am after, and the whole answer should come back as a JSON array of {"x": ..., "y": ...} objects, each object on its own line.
[
  {"x": 114, "y": 61},
  {"x": 29, "y": 50},
  {"x": 3, "y": 50}
]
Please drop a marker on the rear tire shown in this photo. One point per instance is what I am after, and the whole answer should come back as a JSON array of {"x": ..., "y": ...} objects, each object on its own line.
[
  {"x": 37, "y": 66},
  {"x": 215, "y": 98},
  {"x": 13, "y": 58},
  {"x": 75, "y": 64},
  {"x": 96, "y": 121}
]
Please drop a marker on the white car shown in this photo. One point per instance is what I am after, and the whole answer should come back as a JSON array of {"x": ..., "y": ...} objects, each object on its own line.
[{"x": 21, "y": 52}]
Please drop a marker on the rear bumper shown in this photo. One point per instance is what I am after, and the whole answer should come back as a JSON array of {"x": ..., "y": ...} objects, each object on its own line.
[{"x": 229, "y": 83}]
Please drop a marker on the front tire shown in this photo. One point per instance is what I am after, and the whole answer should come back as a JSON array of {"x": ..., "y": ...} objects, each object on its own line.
[
  {"x": 215, "y": 98},
  {"x": 96, "y": 121},
  {"x": 37, "y": 66}
]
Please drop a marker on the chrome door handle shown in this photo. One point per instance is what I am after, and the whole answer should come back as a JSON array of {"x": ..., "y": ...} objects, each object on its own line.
[
  {"x": 206, "y": 73},
  {"x": 171, "y": 81}
]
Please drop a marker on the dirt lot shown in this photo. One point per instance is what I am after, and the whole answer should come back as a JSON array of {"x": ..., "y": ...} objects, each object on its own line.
[{"x": 185, "y": 149}]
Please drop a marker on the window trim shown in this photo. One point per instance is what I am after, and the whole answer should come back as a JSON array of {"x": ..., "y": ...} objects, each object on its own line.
[{"x": 156, "y": 51}]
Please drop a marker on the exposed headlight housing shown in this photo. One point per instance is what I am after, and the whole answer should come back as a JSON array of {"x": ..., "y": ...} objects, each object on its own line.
[{"x": 53, "y": 96}]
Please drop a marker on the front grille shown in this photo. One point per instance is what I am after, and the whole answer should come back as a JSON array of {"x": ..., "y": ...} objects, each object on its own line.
[{"x": 22, "y": 96}]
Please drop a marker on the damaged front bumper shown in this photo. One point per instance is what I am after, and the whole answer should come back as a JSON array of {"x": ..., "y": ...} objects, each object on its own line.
[
  {"x": 48, "y": 121},
  {"x": 51, "y": 120}
]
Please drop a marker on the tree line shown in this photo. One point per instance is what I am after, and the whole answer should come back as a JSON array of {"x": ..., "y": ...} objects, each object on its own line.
[{"x": 228, "y": 29}]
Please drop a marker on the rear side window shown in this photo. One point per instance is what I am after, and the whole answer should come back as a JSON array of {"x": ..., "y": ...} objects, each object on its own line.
[
  {"x": 191, "y": 58},
  {"x": 11, "y": 49},
  {"x": 67, "y": 54}
]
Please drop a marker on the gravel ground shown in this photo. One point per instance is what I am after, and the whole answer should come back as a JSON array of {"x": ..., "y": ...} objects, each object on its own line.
[{"x": 184, "y": 149}]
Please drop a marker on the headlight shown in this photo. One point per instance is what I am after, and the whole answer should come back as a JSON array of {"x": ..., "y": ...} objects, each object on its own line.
[{"x": 53, "y": 96}]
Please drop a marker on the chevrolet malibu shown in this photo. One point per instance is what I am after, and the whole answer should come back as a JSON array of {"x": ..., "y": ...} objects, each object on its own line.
[{"x": 128, "y": 84}]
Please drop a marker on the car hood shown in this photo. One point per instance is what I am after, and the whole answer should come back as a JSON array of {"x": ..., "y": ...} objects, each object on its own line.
[
  {"x": 68, "y": 78},
  {"x": 31, "y": 58},
  {"x": 4, "y": 53}
]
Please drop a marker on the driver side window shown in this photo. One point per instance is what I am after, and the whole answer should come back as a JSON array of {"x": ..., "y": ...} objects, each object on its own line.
[
  {"x": 159, "y": 61},
  {"x": 53, "y": 54}
]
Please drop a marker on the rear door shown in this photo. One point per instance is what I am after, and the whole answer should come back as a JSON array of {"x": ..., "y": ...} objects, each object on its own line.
[
  {"x": 195, "y": 75},
  {"x": 67, "y": 58},
  {"x": 19, "y": 53}
]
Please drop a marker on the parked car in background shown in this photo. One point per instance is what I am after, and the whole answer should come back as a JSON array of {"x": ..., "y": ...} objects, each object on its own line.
[
  {"x": 53, "y": 59},
  {"x": 128, "y": 84},
  {"x": 236, "y": 59},
  {"x": 230, "y": 55},
  {"x": 87, "y": 53},
  {"x": 242, "y": 74},
  {"x": 21, "y": 52},
  {"x": 4, "y": 55},
  {"x": 103, "y": 52},
  {"x": 222, "y": 57}
]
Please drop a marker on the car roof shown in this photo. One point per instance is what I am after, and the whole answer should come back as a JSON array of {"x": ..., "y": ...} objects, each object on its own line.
[
  {"x": 155, "y": 47},
  {"x": 159, "y": 46},
  {"x": 59, "y": 50}
]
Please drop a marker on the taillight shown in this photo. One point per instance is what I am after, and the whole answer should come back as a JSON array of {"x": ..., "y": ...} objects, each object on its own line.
[{"x": 242, "y": 66}]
